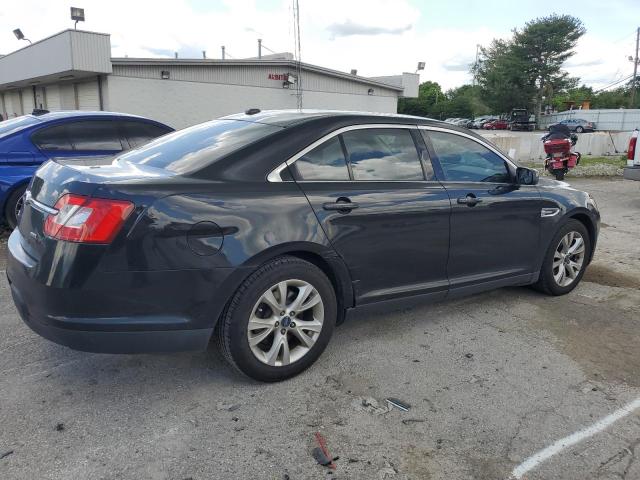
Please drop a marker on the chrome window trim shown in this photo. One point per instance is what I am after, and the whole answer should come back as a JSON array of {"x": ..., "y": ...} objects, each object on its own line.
[
  {"x": 28, "y": 198},
  {"x": 274, "y": 175}
]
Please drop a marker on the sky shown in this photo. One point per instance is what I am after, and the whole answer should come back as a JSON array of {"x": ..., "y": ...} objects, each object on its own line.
[{"x": 376, "y": 37}]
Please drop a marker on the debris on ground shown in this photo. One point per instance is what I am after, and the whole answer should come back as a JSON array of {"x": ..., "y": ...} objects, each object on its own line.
[
  {"x": 468, "y": 355},
  {"x": 60, "y": 427},
  {"x": 370, "y": 405},
  {"x": 407, "y": 421},
  {"x": 229, "y": 407},
  {"x": 320, "y": 457},
  {"x": 399, "y": 404},
  {"x": 321, "y": 453},
  {"x": 6, "y": 454}
]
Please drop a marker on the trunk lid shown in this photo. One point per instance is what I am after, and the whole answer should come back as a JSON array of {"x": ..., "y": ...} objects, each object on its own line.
[{"x": 57, "y": 178}]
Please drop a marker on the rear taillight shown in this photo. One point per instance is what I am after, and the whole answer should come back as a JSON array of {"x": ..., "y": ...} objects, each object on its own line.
[
  {"x": 632, "y": 148},
  {"x": 87, "y": 220}
]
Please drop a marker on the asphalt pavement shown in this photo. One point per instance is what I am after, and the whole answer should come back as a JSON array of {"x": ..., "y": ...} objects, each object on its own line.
[{"x": 493, "y": 381}]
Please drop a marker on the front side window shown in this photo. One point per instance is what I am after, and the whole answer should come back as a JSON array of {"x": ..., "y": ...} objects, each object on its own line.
[
  {"x": 94, "y": 135},
  {"x": 383, "y": 154},
  {"x": 326, "y": 162},
  {"x": 465, "y": 160}
]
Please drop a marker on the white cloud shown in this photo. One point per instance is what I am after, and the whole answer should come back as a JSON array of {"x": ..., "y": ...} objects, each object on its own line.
[{"x": 146, "y": 29}]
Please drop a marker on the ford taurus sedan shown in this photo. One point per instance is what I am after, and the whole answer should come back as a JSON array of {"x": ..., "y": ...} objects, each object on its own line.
[{"x": 265, "y": 230}]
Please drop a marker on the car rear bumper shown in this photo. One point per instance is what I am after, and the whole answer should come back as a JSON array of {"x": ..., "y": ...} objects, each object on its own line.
[{"x": 130, "y": 312}]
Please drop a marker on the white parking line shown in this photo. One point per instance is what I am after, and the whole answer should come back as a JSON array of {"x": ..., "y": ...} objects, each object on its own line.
[{"x": 566, "y": 442}]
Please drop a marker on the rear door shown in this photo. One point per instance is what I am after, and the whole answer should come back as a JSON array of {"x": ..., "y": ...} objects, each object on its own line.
[
  {"x": 495, "y": 223},
  {"x": 373, "y": 191}
]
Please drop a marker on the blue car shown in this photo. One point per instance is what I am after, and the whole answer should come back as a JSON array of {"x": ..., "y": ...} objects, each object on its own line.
[{"x": 29, "y": 140}]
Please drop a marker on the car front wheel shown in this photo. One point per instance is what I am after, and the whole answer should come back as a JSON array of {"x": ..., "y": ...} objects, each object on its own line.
[
  {"x": 566, "y": 259},
  {"x": 279, "y": 321}
]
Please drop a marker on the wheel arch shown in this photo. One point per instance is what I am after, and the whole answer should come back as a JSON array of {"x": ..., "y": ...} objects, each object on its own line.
[
  {"x": 589, "y": 224},
  {"x": 323, "y": 257}
]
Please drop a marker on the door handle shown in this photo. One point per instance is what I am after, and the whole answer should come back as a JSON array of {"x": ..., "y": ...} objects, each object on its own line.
[
  {"x": 342, "y": 204},
  {"x": 470, "y": 200}
]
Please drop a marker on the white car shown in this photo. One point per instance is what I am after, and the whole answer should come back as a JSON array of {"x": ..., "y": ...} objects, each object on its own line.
[{"x": 632, "y": 171}]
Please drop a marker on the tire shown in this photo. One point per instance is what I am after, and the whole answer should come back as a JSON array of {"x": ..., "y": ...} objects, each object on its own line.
[
  {"x": 548, "y": 282},
  {"x": 13, "y": 206},
  {"x": 257, "y": 360},
  {"x": 559, "y": 174},
  {"x": 579, "y": 129}
]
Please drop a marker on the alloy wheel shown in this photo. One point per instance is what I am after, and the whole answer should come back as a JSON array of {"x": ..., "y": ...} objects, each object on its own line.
[
  {"x": 568, "y": 259},
  {"x": 18, "y": 207},
  {"x": 285, "y": 322}
]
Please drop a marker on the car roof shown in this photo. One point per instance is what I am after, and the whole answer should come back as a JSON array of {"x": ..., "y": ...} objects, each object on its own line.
[
  {"x": 287, "y": 118},
  {"x": 84, "y": 114}
]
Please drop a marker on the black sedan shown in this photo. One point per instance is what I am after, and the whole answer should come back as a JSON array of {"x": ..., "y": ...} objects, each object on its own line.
[{"x": 265, "y": 230}]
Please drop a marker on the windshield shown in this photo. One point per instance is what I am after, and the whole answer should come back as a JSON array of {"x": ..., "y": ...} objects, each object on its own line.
[
  {"x": 195, "y": 147},
  {"x": 15, "y": 124}
]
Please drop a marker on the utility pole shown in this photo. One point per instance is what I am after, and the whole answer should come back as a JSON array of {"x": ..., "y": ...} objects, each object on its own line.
[
  {"x": 259, "y": 48},
  {"x": 475, "y": 65},
  {"x": 635, "y": 71},
  {"x": 222, "y": 52}
]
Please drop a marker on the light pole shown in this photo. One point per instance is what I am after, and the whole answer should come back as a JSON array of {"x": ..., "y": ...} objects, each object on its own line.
[
  {"x": 20, "y": 36},
  {"x": 77, "y": 14}
]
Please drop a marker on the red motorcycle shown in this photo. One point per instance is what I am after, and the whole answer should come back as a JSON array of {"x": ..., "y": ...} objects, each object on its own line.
[{"x": 560, "y": 159}]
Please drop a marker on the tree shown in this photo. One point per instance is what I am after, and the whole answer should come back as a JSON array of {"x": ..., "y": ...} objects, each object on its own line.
[
  {"x": 520, "y": 71},
  {"x": 543, "y": 45},
  {"x": 429, "y": 93}
]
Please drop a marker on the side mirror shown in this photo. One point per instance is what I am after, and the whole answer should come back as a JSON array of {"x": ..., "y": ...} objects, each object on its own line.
[{"x": 526, "y": 176}]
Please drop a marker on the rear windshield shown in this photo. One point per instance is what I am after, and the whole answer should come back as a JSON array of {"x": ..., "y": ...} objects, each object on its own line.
[
  {"x": 10, "y": 126},
  {"x": 193, "y": 148}
]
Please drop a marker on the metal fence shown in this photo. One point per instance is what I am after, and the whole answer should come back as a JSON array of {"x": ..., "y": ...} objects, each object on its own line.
[{"x": 609, "y": 119}]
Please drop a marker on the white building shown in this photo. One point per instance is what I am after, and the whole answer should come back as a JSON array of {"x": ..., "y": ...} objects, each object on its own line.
[{"x": 74, "y": 70}]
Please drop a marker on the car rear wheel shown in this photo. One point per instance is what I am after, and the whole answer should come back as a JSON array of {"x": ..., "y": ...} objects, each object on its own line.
[
  {"x": 279, "y": 321},
  {"x": 14, "y": 206},
  {"x": 579, "y": 129},
  {"x": 566, "y": 259}
]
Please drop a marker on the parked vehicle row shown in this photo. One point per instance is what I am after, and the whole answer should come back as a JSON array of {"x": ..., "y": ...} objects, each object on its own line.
[
  {"x": 264, "y": 231},
  {"x": 519, "y": 119},
  {"x": 28, "y": 141}
]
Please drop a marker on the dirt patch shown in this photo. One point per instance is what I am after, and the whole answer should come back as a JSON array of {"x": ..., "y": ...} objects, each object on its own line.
[
  {"x": 605, "y": 276},
  {"x": 597, "y": 334}
]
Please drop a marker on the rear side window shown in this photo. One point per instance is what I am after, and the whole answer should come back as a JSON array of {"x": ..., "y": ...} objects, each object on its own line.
[
  {"x": 52, "y": 138},
  {"x": 325, "y": 162},
  {"x": 465, "y": 160},
  {"x": 196, "y": 147},
  {"x": 382, "y": 154},
  {"x": 94, "y": 135},
  {"x": 140, "y": 133}
]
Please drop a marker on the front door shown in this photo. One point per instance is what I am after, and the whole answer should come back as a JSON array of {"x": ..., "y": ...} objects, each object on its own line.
[
  {"x": 495, "y": 223},
  {"x": 382, "y": 209}
]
